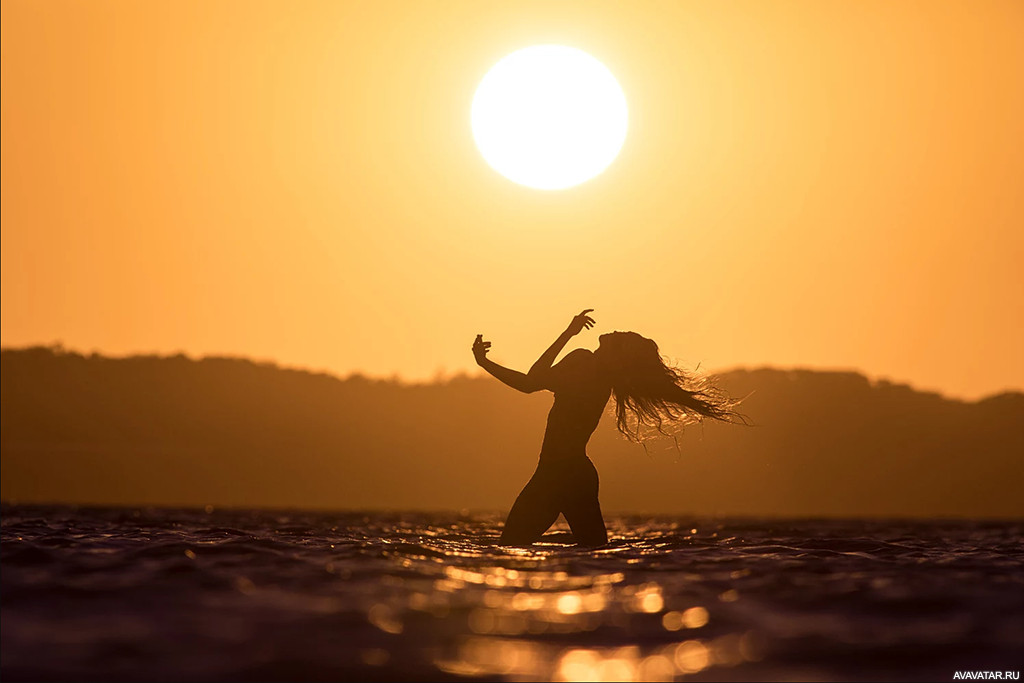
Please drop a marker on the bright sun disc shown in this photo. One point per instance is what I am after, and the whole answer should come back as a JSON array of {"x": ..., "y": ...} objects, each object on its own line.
[{"x": 549, "y": 117}]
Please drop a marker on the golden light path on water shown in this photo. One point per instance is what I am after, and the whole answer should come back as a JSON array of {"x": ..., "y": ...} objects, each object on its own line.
[
  {"x": 532, "y": 624},
  {"x": 269, "y": 595}
]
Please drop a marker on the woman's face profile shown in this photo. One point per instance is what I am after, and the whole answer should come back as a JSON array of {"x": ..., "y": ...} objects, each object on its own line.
[
  {"x": 610, "y": 341},
  {"x": 609, "y": 345}
]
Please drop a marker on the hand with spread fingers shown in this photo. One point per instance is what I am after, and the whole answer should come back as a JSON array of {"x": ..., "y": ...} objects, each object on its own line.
[
  {"x": 581, "y": 322},
  {"x": 480, "y": 349}
]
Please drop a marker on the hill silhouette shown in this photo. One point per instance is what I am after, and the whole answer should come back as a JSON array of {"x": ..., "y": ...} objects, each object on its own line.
[{"x": 227, "y": 431}]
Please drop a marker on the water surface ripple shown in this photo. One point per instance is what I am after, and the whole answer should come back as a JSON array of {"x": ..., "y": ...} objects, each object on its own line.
[{"x": 231, "y": 595}]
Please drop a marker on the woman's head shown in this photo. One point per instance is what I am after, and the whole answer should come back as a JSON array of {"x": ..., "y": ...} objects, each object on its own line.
[
  {"x": 622, "y": 350},
  {"x": 652, "y": 393}
]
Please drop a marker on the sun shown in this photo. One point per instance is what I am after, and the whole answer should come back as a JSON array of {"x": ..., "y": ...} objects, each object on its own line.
[{"x": 549, "y": 117}]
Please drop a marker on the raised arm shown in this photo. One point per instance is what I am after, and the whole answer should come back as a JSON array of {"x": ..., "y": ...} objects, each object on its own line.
[
  {"x": 513, "y": 378},
  {"x": 534, "y": 380},
  {"x": 547, "y": 359}
]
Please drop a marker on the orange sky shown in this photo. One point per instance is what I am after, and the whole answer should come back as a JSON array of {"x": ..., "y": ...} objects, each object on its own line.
[{"x": 815, "y": 184}]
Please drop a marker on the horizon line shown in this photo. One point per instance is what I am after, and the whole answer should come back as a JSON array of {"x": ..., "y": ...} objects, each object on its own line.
[{"x": 443, "y": 375}]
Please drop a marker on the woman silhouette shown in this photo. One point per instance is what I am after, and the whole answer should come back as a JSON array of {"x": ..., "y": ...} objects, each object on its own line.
[{"x": 648, "y": 393}]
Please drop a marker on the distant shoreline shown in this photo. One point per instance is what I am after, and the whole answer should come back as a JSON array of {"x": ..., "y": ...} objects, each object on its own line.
[{"x": 149, "y": 430}]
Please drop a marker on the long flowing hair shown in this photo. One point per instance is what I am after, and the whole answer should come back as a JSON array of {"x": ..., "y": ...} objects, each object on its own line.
[{"x": 652, "y": 395}]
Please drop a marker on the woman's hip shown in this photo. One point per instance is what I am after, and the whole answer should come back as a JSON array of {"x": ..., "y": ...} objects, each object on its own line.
[{"x": 577, "y": 469}]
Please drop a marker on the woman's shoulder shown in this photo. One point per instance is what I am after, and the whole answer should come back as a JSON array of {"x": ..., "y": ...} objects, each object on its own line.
[
  {"x": 579, "y": 355},
  {"x": 574, "y": 367},
  {"x": 577, "y": 358}
]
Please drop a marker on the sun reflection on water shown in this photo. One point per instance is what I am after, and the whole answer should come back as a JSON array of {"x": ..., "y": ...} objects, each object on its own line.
[
  {"x": 545, "y": 614},
  {"x": 515, "y": 617},
  {"x": 251, "y": 595},
  {"x": 523, "y": 659}
]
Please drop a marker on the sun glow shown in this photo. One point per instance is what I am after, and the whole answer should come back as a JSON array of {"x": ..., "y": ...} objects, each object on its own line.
[{"x": 549, "y": 117}]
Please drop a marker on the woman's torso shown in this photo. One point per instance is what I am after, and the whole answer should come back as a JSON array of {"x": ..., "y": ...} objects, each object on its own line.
[{"x": 581, "y": 393}]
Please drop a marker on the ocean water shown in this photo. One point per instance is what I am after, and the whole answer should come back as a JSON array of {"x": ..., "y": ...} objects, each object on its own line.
[{"x": 230, "y": 595}]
